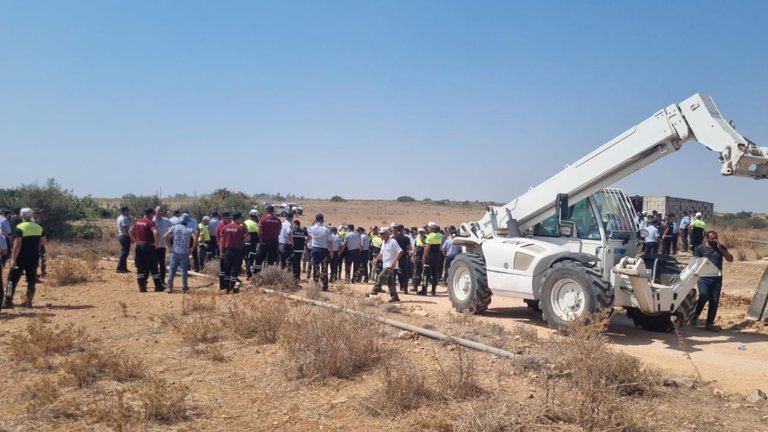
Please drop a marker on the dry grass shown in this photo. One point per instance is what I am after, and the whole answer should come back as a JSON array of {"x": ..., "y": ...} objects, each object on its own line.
[
  {"x": 322, "y": 343},
  {"x": 211, "y": 270},
  {"x": 198, "y": 331},
  {"x": 403, "y": 387},
  {"x": 589, "y": 384},
  {"x": 198, "y": 303},
  {"x": 496, "y": 415},
  {"x": 63, "y": 271},
  {"x": 163, "y": 402},
  {"x": 258, "y": 317},
  {"x": 117, "y": 414},
  {"x": 275, "y": 278},
  {"x": 93, "y": 365},
  {"x": 40, "y": 344},
  {"x": 458, "y": 378},
  {"x": 40, "y": 394}
]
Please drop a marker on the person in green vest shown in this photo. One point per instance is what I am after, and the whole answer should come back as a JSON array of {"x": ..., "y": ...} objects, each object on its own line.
[
  {"x": 698, "y": 228},
  {"x": 252, "y": 225},
  {"x": 25, "y": 257},
  {"x": 432, "y": 258},
  {"x": 203, "y": 242}
]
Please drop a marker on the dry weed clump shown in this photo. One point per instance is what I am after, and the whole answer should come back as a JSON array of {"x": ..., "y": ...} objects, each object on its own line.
[
  {"x": 594, "y": 382},
  {"x": 325, "y": 343},
  {"x": 93, "y": 365},
  {"x": 403, "y": 388},
  {"x": 257, "y": 317},
  {"x": 457, "y": 378},
  {"x": 495, "y": 415},
  {"x": 198, "y": 331},
  {"x": 117, "y": 414},
  {"x": 198, "y": 303},
  {"x": 163, "y": 402},
  {"x": 40, "y": 343},
  {"x": 275, "y": 278},
  {"x": 64, "y": 271},
  {"x": 40, "y": 394}
]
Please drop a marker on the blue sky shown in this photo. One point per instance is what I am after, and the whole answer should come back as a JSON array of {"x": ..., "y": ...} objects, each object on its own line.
[{"x": 475, "y": 100}]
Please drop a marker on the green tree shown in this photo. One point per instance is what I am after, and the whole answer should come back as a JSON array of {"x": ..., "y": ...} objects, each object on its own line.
[
  {"x": 138, "y": 203},
  {"x": 222, "y": 200},
  {"x": 405, "y": 198},
  {"x": 59, "y": 204},
  {"x": 337, "y": 198}
]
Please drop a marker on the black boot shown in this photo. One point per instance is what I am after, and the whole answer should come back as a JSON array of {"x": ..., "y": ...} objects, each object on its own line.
[
  {"x": 434, "y": 291},
  {"x": 8, "y": 302},
  {"x": 422, "y": 292}
]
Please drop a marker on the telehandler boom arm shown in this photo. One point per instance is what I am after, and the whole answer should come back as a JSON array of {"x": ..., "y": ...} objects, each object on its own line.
[{"x": 696, "y": 118}]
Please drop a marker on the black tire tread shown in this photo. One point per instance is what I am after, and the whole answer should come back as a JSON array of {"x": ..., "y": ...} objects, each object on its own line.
[
  {"x": 600, "y": 289},
  {"x": 482, "y": 293}
]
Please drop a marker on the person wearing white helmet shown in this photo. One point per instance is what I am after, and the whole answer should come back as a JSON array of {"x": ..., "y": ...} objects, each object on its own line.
[
  {"x": 698, "y": 228},
  {"x": 25, "y": 256}
]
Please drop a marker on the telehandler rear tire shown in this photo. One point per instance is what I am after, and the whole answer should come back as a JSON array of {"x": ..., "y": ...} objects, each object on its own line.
[
  {"x": 572, "y": 291},
  {"x": 468, "y": 284}
]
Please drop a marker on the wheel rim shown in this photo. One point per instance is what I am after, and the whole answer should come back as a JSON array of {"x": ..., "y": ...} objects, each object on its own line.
[
  {"x": 462, "y": 284},
  {"x": 569, "y": 300}
]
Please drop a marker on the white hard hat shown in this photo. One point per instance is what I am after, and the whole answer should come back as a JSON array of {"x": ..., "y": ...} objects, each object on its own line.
[
  {"x": 432, "y": 225},
  {"x": 698, "y": 215},
  {"x": 26, "y": 212},
  {"x": 253, "y": 212}
]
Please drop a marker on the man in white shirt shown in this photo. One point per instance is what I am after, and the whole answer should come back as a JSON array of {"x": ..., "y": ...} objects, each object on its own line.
[
  {"x": 320, "y": 243},
  {"x": 651, "y": 239},
  {"x": 685, "y": 222},
  {"x": 351, "y": 253},
  {"x": 163, "y": 225},
  {"x": 389, "y": 256},
  {"x": 285, "y": 243}
]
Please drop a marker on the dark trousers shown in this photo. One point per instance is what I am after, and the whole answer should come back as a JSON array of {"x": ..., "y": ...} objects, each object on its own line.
[
  {"x": 160, "y": 257},
  {"x": 195, "y": 259},
  {"x": 213, "y": 246},
  {"x": 146, "y": 264},
  {"x": 250, "y": 256},
  {"x": 448, "y": 262},
  {"x": 27, "y": 267},
  {"x": 285, "y": 253},
  {"x": 709, "y": 291},
  {"x": 674, "y": 243},
  {"x": 418, "y": 270},
  {"x": 666, "y": 245},
  {"x": 295, "y": 261},
  {"x": 234, "y": 265},
  {"x": 202, "y": 255},
  {"x": 651, "y": 248},
  {"x": 223, "y": 272},
  {"x": 320, "y": 266},
  {"x": 335, "y": 261},
  {"x": 352, "y": 265},
  {"x": 403, "y": 271},
  {"x": 267, "y": 253},
  {"x": 125, "y": 249},
  {"x": 434, "y": 261},
  {"x": 684, "y": 239}
]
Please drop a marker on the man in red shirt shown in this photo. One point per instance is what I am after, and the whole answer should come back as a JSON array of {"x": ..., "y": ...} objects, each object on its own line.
[
  {"x": 226, "y": 218},
  {"x": 232, "y": 242},
  {"x": 144, "y": 234},
  {"x": 270, "y": 226}
]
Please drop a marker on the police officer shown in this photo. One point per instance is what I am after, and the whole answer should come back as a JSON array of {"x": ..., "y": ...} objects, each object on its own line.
[
  {"x": 144, "y": 233},
  {"x": 252, "y": 225},
  {"x": 432, "y": 258},
  {"x": 320, "y": 243},
  {"x": 25, "y": 256},
  {"x": 418, "y": 255},
  {"x": 376, "y": 244},
  {"x": 203, "y": 242},
  {"x": 298, "y": 241},
  {"x": 698, "y": 228}
]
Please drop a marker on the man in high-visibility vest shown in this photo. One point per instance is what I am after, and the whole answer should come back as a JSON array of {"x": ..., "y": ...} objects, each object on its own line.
[
  {"x": 252, "y": 225},
  {"x": 698, "y": 228},
  {"x": 432, "y": 258},
  {"x": 203, "y": 242},
  {"x": 25, "y": 257}
]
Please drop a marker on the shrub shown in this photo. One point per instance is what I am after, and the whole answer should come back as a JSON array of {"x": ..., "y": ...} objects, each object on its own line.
[
  {"x": 41, "y": 394},
  {"x": 403, "y": 388},
  {"x": 93, "y": 365},
  {"x": 139, "y": 203},
  {"x": 325, "y": 343},
  {"x": 40, "y": 343},
  {"x": 163, "y": 402},
  {"x": 221, "y": 200},
  {"x": 405, "y": 198},
  {"x": 87, "y": 231},
  {"x": 117, "y": 414},
  {"x": 60, "y": 205},
  {"x": 198, "y": 331},
  {"x": 276, "y": 278},
  {"x": 257, "y": 317},
  {"x": 458, "y": 378},
  {"x": 198, "y": 303},
  {"x": 65, "y": 271},
  {"x": 337, "y": 198}
]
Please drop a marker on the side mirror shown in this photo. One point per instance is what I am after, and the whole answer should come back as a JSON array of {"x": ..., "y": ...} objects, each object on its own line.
[{"x": 561, "y": 205}]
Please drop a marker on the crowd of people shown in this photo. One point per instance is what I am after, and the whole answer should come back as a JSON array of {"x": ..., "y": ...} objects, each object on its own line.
[
  {"x": 394, "y": 256},
  {"x": 666, "y": 230}
]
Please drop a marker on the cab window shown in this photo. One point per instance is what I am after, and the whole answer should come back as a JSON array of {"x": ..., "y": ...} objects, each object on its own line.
[{"x": 581, "y": 214}]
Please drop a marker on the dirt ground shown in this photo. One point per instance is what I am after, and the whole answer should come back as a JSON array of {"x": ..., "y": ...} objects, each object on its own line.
[{"x": 241, "y": 385}]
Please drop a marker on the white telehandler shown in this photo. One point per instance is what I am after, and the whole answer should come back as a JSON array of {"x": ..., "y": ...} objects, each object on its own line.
[{"x": 583, "y": 257}]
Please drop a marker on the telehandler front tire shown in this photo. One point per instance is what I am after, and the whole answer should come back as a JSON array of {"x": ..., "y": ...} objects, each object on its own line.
[
  {"x": 468, "y": 284},
  {"x": 572, "y": 291}
]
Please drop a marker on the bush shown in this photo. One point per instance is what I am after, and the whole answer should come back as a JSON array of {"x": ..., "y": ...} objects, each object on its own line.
[
  {"x": 138, "y": 203},
  {"x": 163, "y": 402},
  {"x": 40, "y": 343},
  {"x": 257, "y": 317},
  {"x": 458, "y": 379},
  {"x": 275, "y": 278},
  {"x": 60, "y": 205},
  {"x": 222, "y": 200},
  {"x": 87, "y": 231},
  {"x": 403, "y": 388},
  {"x": 337, "y": 198},
  {"x": 65, "y": 271},
  {"x": 325, "y": 343},
  {"x": 405, "y": 198}
]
